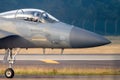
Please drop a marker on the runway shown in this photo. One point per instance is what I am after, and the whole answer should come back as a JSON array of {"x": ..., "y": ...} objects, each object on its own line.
[
  {"x": 76, "y": 61},
  {"x": 68, "y": 64},
  {"x": 66, "y": 57},
  {"x": 106, "y": 77},
  {"x": 56, "y": 61},
  {"x": 92, "y": 77},
  {"x": 63, "y": 62}
]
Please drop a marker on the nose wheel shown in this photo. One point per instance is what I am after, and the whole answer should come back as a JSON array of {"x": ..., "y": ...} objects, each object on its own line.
[{"x": 9, "y": 73}]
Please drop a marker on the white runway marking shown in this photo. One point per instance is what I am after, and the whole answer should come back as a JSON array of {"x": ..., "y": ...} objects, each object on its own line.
[{"x": 65, "y": 57}]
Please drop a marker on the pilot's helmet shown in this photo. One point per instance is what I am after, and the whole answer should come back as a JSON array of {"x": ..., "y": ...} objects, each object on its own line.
[
  {"x": 44, "y": 15},
  {"x": 36, "y": 14}
]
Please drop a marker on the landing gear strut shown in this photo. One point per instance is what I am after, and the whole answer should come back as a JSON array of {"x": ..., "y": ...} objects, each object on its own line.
[{"x": 9, "y": 73}]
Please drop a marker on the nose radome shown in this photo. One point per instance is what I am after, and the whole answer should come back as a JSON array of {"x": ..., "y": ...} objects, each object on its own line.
[{"x": 80, "y": 38}]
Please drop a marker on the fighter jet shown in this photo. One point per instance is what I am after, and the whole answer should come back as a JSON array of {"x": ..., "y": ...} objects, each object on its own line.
[{"x": 35, "y": 28}]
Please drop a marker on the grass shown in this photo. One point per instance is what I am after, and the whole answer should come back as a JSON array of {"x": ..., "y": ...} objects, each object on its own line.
[{"x": 63, "y": 71}]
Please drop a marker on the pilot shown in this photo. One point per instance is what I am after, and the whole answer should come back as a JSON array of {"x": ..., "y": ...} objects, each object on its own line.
[
  {"x": 36, "y": 17},
  {"x": 39, "y": 17},
  {"x": 44, "y": 17}
]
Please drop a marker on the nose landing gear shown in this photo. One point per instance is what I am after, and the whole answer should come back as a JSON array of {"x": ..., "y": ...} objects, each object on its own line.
[{"x": 9, "y": 73}]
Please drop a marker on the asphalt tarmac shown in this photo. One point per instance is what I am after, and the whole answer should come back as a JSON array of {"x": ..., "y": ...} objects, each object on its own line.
[
  {"x": 103, "y": 61},
  {"x": 62, "y": 61},
  {"x": 105, "y": 77},
  {"x": 68, "y": 63}
]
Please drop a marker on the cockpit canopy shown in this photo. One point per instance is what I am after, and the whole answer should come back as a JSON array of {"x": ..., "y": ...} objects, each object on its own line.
[{"x": 34, "y": 15}]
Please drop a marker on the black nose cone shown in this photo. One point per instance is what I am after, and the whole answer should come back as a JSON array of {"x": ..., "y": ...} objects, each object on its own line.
[{"x": 80, "y": 38}]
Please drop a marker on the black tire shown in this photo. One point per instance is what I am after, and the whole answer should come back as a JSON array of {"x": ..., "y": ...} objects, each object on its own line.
[{"x": 9, "y": 73}]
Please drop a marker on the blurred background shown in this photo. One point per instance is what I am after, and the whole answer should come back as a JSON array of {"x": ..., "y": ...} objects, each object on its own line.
[{"x": 100, "y": 16}]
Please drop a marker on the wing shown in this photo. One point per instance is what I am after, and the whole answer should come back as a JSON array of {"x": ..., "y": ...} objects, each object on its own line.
[{"x": 10, "y": 40}]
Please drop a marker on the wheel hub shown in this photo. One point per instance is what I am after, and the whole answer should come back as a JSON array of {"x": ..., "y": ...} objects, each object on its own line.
[{"x": 8, "y": 73}]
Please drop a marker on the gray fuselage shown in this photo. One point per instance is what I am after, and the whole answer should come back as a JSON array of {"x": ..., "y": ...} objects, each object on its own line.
[{"x": 25, "y": 34}]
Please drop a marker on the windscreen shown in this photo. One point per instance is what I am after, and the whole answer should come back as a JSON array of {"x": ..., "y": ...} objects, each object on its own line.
[{"x": 44, "y": 17}]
